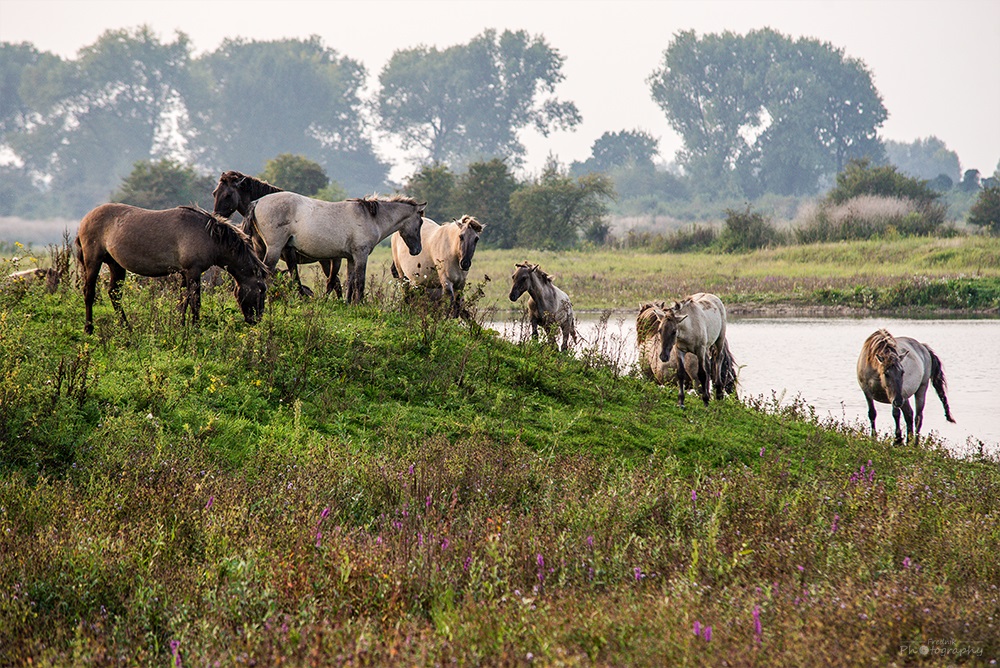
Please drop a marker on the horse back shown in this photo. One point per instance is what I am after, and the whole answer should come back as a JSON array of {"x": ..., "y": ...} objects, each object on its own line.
[{"x": 916, "y": 364}]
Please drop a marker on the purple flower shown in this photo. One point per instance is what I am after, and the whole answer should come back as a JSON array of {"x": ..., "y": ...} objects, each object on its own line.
[
  {"x": 444, "y": 544},
  {"x": 638, "y": 574},
  {"x": 411, "y": 469},
  {"x": 697, "y": 627},
  {"x": 757, "y": 629},
  {"x": 906, "y": 562},
  {"x": 319, "y": 538},
  {"x": 323, "y": 515},
  {"x": 762, "y": 449},
  {"x": 801, "y": 569},
  {"x": 834, "y": 527},
  {"x": 175, "y": 646},
  {"x": 707, "y": 634},
  {"x": 428, "y": 504},
  {"x": 211, "y": 500},
  {"x": 541, "y": 562},
  {"x": 590, "y": 541},
  {"x": 694, "y": 495}
]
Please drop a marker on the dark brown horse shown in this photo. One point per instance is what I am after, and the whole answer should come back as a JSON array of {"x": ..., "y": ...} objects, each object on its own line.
[
  {"x": 182, "y": 240},
  {"x": 235, "y": 191}
]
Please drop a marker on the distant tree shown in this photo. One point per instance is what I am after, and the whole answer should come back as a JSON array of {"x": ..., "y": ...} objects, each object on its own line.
[
  {"x": 942, "y": 183},
  {"x": 254, "y": 100},
  {"x": 924, "y": 158},
  {"x": 747, "y": 230},
  {"x": 331, "y": 192},
  {"x": 862, "y": 178},
  {"x": 553, "y": 211},
  {"x": 485, "y": 191},
  {"x": 970, "y": 181},
  {"x": 296, "y": 173},
  {"x": 985, "y": 212},
  {"x": 628, "y": 148},
  {"x": 434, "y": 184},
  {"x": 164, "y": 184},
  {"x": 470, "y": 101}
]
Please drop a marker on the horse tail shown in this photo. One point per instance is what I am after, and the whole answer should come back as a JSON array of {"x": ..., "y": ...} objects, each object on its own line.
[
  {"x": 727, "y": 369},
  {"x": 249, "y": 225},
  {"x": 940, "y": 383},
  {"x": 393, "y": 270},
  {"x": 78, "y": 250}
]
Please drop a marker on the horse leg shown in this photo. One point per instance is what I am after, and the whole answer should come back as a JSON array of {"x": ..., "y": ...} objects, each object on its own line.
[
  {"x": 717, "y": 375},
  {"x": 682, "y": 376},
  {"x": 331, "y": 268},
  {"x": 91, "y": 274},
  {"x": 919, "y": 399},
  {"x": 908, "y": 417},
  {"x": 895, "y": 417},
  {"x": 115, "y": 290},
  {"x": 192, "y": 297},
  {"x": 704, "y": 390},
  {"x": 871, "y": 412},
  {"x": 356, "y": 269}
]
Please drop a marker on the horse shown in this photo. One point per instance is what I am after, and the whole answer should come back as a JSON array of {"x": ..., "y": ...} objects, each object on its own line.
[
  {"x": 697, "y": 326},
  {"x": 891, "y": 370},
  {"x": 185, "y": 240},
  {"x": 547, "y": 305},
  {"x": 445, "y": 259},
  {"x": 647, "y": 334},
  {"x": 235, "y": 191}
]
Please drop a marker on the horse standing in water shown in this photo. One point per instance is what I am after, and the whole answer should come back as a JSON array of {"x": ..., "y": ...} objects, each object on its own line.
[
  {"x": 322, "y": 230},
  {"x": 445, "y": 259},
  {"x": 891, "y": 370},
  {"x": 697, "y": 326},
  {"x": 235, "y": 191},
  {"x": 182, "y": 240},
  {"x": 548, "y": 306}
]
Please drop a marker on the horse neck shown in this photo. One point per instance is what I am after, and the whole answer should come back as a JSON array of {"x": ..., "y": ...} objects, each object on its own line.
[
  {"x": 253, "y": 192},
  {"x": 390, "y": 218},
  {"x": 541, "y": 291}
]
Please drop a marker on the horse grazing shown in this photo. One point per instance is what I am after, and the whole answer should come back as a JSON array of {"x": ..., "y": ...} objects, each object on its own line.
[
  {"x": 697, "y": 326},
  {"x": 321, "y": 230},
  {"x": 548, "y": 306},
  {"x": 647, "y": 335},
  {"x": 445, "y": 259},
  {"x": 234, "y": 192},
  {"x": 183, "y": 240},
  {"x": 891, "y": 370}
]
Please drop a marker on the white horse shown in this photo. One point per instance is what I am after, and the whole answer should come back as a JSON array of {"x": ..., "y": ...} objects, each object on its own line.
[
  {"x": 697, "y": 326},
  {"x": 891, "y": 370},
  {"x": 548, "y": 306},
  {"x": 318, "y": 230},
  {"x": 445, "y": 259}
]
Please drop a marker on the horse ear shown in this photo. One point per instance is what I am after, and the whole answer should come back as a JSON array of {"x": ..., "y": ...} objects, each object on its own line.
[
  {"x": 421, "y": 207},
  {"x": 240, "y": 181},
  {"x": 904, "y": 354},
  {"x": 682, "y": 318},
  {"x": 659, "y": 313}
]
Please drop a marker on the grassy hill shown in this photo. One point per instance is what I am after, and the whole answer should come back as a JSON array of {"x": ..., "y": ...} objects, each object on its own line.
[{"x": 379, "y": 485}]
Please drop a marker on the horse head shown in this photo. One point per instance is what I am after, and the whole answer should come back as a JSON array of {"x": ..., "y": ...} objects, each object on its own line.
[
  {"x": 228, "y": 193},
  {"x": 887, "y": 361},
  {"x": 469, "y": 231},
  {"x": 409, "y": 227},
  {"x": 521, "y": 279},
  {"x": 669, "y": 320}
]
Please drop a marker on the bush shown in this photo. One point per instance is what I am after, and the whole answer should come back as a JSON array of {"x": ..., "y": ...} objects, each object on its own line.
[
  {"x": 860, "y": 178},
  {"x": 870, "y": 216},
  {"x": 295, "y": 173},
  {"x": 985, "y": 213},
  {"x": 746, "y": 231}
]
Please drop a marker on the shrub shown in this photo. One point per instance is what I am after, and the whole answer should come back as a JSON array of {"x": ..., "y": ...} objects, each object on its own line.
[
  {"x": 985, "y": 213},
  {"x": 869, "y": 216},
  {"x": 747, "y": 230}
]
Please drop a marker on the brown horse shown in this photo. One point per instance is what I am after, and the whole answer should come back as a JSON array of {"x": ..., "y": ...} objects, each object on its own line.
[
  {"x": 891, "y": 370},
  {"x": 183, "y": 240},
  {"x": 234, "y": 192}
]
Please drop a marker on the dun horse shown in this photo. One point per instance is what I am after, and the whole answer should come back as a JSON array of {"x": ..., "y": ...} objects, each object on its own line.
[
  {"x": 697, "y": 326},
  {"x": 891, "y": 370},
  {"x": 322, "y": 230},
  {"x": 235, "y": 191},
  {"x": 647, "y": 333},
  {"x": 182, "y": 240},
  {"x": 445, "y": 259},
  {"x": 548, "y": 306}
]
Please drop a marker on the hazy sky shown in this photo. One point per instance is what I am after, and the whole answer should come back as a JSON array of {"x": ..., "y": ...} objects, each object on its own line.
[{"x": 936, "y": 64}]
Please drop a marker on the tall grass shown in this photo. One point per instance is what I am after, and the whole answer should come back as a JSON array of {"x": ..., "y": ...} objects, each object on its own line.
[{"x": 379, "y": 485}]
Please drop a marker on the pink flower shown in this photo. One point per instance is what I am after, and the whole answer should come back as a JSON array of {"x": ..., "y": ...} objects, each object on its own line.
[
  {"x": 708, "y": 634},
  {"x": 906, "y": 562},
  {"x": 757, "y": 629},
  {"x": 211, "y": 500},
  {"x": 697, "y": 627}
]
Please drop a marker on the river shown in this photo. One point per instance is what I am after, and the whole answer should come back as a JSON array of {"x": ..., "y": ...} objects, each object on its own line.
[{"x": 815, "y": 359}]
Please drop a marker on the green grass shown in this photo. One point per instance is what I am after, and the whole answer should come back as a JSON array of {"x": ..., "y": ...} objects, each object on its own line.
[{"x": 380, "y": 485}]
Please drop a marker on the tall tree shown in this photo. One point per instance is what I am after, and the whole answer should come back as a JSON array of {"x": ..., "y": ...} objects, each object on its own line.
[
  {"x": 924, "y": 158},
  {"x": 628, "y": 148},
  {"x": 296, "y": 173},
  {"x": 256, "y": 100},
  {"x": 434, "y": 184},
  {"x": 164, "y": 184},
  {"x": 484, "y": 191},
  {"x": 470, "y": 101}
]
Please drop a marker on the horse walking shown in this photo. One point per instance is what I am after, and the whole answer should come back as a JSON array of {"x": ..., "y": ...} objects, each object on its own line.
[
  {"x": 548, "y": 306},
  {"x": 321, "y": 230},
  {"x": 697, "y": 326},
  {"x": 445, "y": 259},
  {"x": 893, "y": 369},
  {"x": 234, "y": 192},
  {"x": 181, "y": 240}
]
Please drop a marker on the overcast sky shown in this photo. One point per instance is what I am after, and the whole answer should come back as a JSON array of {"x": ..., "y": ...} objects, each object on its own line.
[{"x": 936, "y": 64}]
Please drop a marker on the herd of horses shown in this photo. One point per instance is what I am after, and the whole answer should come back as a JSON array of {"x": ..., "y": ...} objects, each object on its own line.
[{"x": 684, "y": 342}]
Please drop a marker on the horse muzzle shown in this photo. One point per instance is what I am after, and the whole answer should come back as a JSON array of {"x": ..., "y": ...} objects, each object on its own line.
[{"x": 465, "y": 265}]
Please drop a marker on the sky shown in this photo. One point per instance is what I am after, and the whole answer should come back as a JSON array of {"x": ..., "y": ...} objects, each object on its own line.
[{"x": 936, "y": 64}]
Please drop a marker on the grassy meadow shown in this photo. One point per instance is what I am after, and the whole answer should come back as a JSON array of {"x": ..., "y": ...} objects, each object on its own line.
[{"x": 380, "y": 485}]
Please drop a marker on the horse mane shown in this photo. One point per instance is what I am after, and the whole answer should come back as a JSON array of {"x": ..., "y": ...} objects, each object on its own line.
[
  {"x": 535, "y": 268},
  {"x": 881, "y": 349},
  {"x": 231, "y": 238},
  {"x": 648, "y": 322},
  {"x": 371, "y": 203},
  {"x": 253, "y": 187},
  {"x": 469, "y": 221}
]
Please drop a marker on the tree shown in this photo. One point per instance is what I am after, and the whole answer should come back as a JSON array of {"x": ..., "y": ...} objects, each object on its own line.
[
  {"x": 259, "y": 99},
  {"x": 970, "y": 181},
  {"x": 470, "y": 101},
  {"x": 295, "y": 173},
  {"x": 628, "y": 148},
  {"x": 485, "y": 191},
  {"x": 552, "y": 212},
  {"x": 924, "y": 158},
  {"x": 764, "y": 113},
  {"x": 165, "y": 184},
  {"x": 434, "y": 184},
  {"x": 862, "y": 178},
  {"x": 985, "y": 212}
]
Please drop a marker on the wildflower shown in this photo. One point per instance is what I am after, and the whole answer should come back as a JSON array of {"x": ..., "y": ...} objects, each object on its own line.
[
  {"x": 541, "y": 562},
  {"x": 906, "y": 562},
  {"x": 411, "y": 469},
  {"x": 697, "y": 627},
  {"x": 834, "y": 527},
  {"x": 638, "y": 574},
  {"x": 175, "y": 646},
  {"x": 211, "y": 500},
  {"x": 762, "y": 449},
  {"x": 694, "y": 495},
  {"x": 757, "y": 629},
  {"x": 319, "y": 538},
  {"x": 323, "y": 515},
  {"x": 444, "y": 544},
  {"x": 468, "y": 562},
  {"x": 707, "y": 634},
  {"x": 801, "y": 569},
  {"x": 590, "y": 541}
]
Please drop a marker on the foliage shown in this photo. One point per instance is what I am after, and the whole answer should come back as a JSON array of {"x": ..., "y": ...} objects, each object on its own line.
[
  {"x": 469, "y": 102},
  {"x": 434, "y": 184},
  {"x": 165, "y": 184},
  {"x": 295, "y": 173},
  {"x": 331, "y": 192},
  {"x": 746, "y": 231},
  {"x": 551, "y": 212},
  {"x": 484, "y": 191},
  {"x": 625, "y": 149},
  {"x": 379, "y": 485},
  {"x": 927, "y": 159},
  {"x": 862, "y": 178},
  {"x": 868, "y": 217},
  {"x": 763, "y": 113},
  {"x": 970, "y": 182},
  {"x": 985, "y": 213}
]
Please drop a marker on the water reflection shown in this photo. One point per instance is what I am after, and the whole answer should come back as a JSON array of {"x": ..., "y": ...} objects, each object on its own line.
[{"x": 815, "y": 358}]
